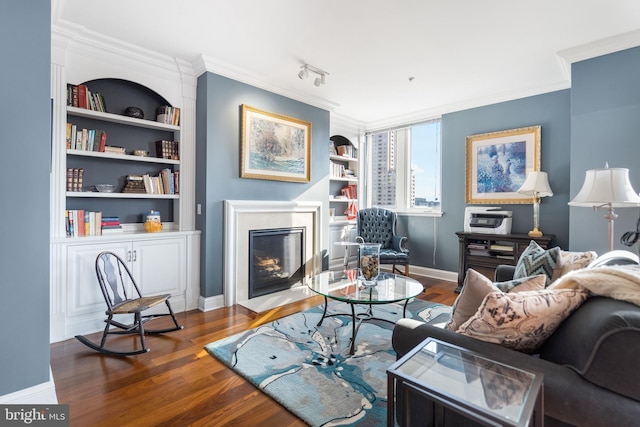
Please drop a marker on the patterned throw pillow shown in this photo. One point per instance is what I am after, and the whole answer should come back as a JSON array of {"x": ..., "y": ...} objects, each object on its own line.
[
  {"x": 535, "y": 260},
  {"x": 476, "y": 287},
  {"x": 570, "y": 261},
  {"x": 522, "y": 321}
]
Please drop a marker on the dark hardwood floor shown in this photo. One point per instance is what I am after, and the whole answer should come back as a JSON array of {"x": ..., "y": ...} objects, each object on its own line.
[{"x": 178, "y": 383}]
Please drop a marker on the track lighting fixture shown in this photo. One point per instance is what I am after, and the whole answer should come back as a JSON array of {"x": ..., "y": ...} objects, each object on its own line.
[{"x": 304, "y": 73}]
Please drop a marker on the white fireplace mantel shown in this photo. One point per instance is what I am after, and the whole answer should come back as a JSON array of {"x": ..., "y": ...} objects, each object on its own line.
[{"x": 240, "y": 216}]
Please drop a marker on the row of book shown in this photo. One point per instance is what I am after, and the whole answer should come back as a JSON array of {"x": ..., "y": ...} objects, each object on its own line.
[
  {"x": 166, "y": 149},
  {"x": 75, "y": 176},
  {"x": 85, "y": 139},
  {"x": 80, "y": 96},
  {"x": 346, "y": 150},
  {"x": 80, "y": 223},
  {"x": 339, "y": 170},
  {"x": 167, "y": 182},
  {"x": 169, "y": 115}
]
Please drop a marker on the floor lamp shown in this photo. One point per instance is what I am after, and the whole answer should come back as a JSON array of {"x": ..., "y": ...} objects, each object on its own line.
[
  {"x": 536, "y": 185},
  {"x": 606, "y": 189}
]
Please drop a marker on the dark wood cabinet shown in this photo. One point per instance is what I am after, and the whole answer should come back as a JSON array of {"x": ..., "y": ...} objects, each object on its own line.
[{"x": 484, "y": 252}]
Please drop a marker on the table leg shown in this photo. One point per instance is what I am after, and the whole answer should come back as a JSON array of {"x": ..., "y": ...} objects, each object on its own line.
[
  {"x": 353, "y": 329},
  {"x": 324, "y": 313}
]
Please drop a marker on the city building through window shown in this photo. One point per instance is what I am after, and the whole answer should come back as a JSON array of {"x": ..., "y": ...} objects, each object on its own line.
[{"x": 403, "y": 168}]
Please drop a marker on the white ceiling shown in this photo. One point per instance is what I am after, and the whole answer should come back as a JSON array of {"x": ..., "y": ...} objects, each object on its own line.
[{"x": 460, "y": 54}]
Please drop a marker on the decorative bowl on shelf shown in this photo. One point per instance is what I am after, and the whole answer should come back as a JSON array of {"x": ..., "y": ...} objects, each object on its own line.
[
  {"x": 105, "y": 188},
  {"x": 141, "y": 153},
  {"x": 134, "y": 112}
]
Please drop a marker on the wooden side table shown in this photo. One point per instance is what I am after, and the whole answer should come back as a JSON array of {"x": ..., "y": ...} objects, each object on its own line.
[{"x": 458, "y": 383}]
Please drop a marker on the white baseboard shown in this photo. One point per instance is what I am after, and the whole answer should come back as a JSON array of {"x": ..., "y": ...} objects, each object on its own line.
[
  {"x": 41, "y": 394},
  {"x": 210, "y": 303}
]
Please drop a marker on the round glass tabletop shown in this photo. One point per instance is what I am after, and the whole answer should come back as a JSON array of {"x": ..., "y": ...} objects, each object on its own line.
[{"x": 345, "y": 286}]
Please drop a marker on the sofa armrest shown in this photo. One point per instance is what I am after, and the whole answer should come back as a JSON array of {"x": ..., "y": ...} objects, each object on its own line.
[
  {"x": 504, "y": 273},
  {"x": 568, "y": 397}
]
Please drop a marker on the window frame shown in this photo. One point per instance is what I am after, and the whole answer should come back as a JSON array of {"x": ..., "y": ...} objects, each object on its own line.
[{"x": 403, "y": 142}]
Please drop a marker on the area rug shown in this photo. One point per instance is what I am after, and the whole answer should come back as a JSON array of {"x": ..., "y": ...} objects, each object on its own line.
[{"x": 308, "y": 369}]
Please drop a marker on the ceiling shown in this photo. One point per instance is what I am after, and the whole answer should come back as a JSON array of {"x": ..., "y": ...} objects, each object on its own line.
[{"x": 389, "y": 62}]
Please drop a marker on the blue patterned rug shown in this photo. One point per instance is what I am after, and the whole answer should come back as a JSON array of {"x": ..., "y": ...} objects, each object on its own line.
[{"x": 308, "y": 369}]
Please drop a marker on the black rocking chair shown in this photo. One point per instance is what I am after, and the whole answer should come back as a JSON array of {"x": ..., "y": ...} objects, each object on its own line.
[{"x": 115, "y": 279}]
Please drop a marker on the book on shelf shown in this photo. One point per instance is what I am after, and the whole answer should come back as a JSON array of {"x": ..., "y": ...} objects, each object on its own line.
[
  {"x": 114, "y": 149},
  {"x": 350, "y": 191},
  {"x": 135, "y": 184},
  {"x": 110, "y": 225},
  {"x": 176, "y": 182}
]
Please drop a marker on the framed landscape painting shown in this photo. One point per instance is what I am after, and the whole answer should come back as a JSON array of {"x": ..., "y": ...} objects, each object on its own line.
[
  {"x": 498, "y": 164},
  {"x": 274, "y": 147}
]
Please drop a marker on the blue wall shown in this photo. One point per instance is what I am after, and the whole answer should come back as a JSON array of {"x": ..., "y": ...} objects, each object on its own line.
[
  {"x": 605, "y": 127},
  {"x": 219, "y": 101},
  {"x": 25, "y": 119},
  {"x": 552, "y": 112},
  {"x": 593, "y": 122}
]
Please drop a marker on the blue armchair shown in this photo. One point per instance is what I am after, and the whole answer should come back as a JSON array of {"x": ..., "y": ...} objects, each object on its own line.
[{"x": 378, "y": 225}]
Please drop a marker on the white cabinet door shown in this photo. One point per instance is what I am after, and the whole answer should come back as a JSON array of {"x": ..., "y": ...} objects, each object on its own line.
[
  {"x": 83, "y": 295},
  {"x": 159, "y": 266}
]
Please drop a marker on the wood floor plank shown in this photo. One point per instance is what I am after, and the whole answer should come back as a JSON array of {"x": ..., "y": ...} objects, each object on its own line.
[{"x": 178, "y": 383}]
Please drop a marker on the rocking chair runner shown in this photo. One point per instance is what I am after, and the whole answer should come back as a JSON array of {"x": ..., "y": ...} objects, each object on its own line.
[{"x": 115, "y": 279}]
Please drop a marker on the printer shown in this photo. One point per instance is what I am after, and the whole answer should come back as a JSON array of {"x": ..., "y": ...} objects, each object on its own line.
[{"x": 487, "y": 219}]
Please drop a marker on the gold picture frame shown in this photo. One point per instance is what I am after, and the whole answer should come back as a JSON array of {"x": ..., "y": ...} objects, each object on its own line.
[
  {"x": 274, "y": 147},
  {"x": 498, "y": 164}
]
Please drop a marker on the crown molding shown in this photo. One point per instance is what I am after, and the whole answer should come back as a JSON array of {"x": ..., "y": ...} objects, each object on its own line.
[
  {"x": 466, "y": 104},
  {"x": 601, "y": 47},
  {"x": 203, "y": 63}
]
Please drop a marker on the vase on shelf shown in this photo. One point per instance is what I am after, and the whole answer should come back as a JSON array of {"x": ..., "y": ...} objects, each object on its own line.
[{"x": 368, "y": 262}]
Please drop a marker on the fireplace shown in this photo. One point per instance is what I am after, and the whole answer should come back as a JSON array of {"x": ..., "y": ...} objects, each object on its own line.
[
  {"x": 242, "y": 216},
  {"x": 276, "y": 259}
]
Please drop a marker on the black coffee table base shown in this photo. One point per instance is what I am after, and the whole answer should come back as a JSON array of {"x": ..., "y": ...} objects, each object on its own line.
[{"x": 358, "y": 318}]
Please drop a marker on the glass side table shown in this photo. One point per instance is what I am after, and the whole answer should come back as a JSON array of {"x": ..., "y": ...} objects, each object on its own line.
[{"x": 461, "y": 385}]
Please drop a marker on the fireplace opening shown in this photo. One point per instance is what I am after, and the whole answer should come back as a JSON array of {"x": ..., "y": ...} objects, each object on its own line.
[{"x": 276, "y": 259}]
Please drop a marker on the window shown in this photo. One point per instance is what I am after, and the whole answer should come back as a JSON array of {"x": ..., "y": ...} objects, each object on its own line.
[{"x": 402, "y": 168}]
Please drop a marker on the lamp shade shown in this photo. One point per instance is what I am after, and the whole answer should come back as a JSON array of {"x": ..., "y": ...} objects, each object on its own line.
[
  {"x": 606, "y": 186},
  {"x": 536, "y": 182}
]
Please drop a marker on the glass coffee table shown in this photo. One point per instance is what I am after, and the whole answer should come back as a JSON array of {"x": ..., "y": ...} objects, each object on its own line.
[
  {"x": 346, "y": 287},
  {"x": 447, "y": 382}
]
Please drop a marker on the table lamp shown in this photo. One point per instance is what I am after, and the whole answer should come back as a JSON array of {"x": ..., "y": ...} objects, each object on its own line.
[
  {"x": 607, "y": 188},
  {"x": 536, "y": 185}
]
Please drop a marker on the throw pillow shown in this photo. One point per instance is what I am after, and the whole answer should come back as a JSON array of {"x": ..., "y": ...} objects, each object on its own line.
[
  {"x": 476, "y": 287},
  {"x": 570, "y": 261},
  {"x": 522, "y": 321},
  {"x": 535, "y": 260}
]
